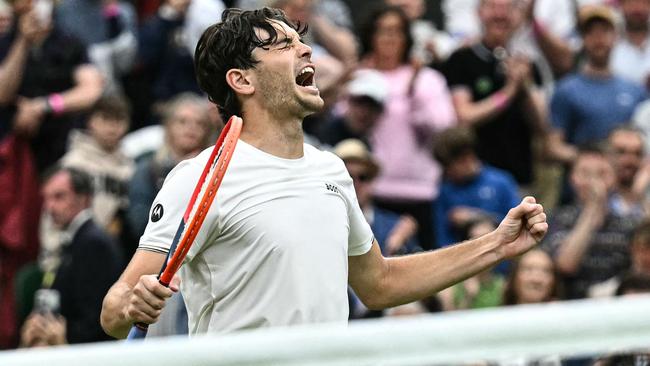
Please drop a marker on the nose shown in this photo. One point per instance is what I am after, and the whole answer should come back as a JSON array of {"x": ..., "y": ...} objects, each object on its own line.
[{"x": 305, "y": 51}]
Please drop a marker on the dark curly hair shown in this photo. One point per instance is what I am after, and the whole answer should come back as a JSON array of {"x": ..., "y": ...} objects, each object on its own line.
[{"x": 229, "y": 45}]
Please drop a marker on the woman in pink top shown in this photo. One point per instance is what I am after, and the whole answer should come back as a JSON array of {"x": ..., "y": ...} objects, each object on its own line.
[{"x": 419, "y": 105}]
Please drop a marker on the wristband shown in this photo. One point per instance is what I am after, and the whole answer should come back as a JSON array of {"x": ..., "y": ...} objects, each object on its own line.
[
  {"x": 111, "y": 10},
  {"x": 56, "y": 103},
  {"x": 500, "y": 99}
]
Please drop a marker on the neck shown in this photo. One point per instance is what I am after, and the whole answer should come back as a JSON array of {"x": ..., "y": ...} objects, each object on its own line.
[
  {"x": 626, "y": 193},
  {"x": 637, "y": 36},
  {"x": 493, "y": 42},
  {"x": 597, "y": 71},
  {"x": 282, "y": 137},
  {"x": 385, "y": 62}
]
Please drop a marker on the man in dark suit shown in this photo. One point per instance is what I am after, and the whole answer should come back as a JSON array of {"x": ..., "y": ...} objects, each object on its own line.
[{"x": 88, "y": 264}]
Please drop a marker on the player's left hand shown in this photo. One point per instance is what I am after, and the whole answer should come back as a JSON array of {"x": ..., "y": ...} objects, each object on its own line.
[{"x": 523, "y": 227}]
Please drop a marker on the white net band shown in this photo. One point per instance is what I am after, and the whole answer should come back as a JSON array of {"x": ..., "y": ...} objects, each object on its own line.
[{"x": 586, "y": 327}]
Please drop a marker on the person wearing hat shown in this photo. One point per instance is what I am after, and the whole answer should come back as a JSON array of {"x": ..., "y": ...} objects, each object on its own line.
[
  {"x": 366, "y": 94},
  {"x": 394, "y": 233},
  {"x": 590, "y": 103}
]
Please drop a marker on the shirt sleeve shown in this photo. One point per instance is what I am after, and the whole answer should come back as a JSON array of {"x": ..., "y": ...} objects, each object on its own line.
[
  {"x": 168, "y": 208},
  {"x": 453, "y": 71},
  {"x": 360, "y": 236}
]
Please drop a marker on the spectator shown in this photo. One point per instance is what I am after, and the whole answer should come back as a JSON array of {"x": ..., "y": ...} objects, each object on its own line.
[
  {"x": 334, "y": 48},
  {"x": 533, "y": 280},
  {"x": 639, "y": 257},
  {"x": 626, "y": 148},
  {"x": 20, "y": 202},
  {"x": 164, "y": 65},
  {"x": 97, "y": 154},
  {"x": 394, "y": 234},
  {"x": 470, "y": 190},
  {"x": 463, "y": 23},
  {"x": 631, "y": 52},
  {"x": 496, "y": 94},
  {"x": 366, "y": 95},
  {"x": 536, "y": 38},
  {"x": 89, "y": 262},
  {"x": 429, "y": 44},
  {"x": 418, "y": 106},
  {"x": 484, "y": 289},
  {"x": 200, "y": 15},
  {"x": 108, "y": 29},
  {"x": 187, "y": 132},
  {"x": 588, "y": 241},
  {"x": 42, "y": 103},
  {"x": 6, "y": 17},
  {"x": 587, "y": 105}
]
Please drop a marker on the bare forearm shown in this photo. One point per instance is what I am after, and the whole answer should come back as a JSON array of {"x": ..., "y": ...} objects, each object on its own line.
[
  {"x": 558, "y": 150},
  {"x": 117, "y": 310},
  {"x": 113, "y": 317},
  {"x": 475, "y": 113},
  {"x": 11, "y": 71},
  {"x": 88, "y": 88},
  {"x": 339, "y": 42},
  {"x": 556, "y": 50},
  {"x": 414, "y": 277},
  {"x": 574, "y": 246}
]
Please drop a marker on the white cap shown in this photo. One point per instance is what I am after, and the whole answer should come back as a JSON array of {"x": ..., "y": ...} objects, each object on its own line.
[{"x": 369, "y": 83}]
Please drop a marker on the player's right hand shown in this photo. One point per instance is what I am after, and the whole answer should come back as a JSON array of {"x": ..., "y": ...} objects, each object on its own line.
[{"x": 148, "y": 299}]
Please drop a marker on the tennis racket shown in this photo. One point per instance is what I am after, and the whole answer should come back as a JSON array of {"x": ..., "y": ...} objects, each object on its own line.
[{"x": 197, "y": 209}]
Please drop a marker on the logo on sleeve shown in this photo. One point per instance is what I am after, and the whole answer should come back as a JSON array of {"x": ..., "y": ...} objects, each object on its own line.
[
  {"x": 157, "y": 213},
  {"x": 332, "y": 188}
]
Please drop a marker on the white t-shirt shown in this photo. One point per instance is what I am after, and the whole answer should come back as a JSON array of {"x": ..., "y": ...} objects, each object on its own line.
[{"x": 274, "y": 247}]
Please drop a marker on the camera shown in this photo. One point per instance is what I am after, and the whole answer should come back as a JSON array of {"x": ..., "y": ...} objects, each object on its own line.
[{"x": 47, "y": 301}]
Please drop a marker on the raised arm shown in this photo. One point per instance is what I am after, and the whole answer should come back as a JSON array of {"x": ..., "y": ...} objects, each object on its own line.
[
  {"x": 136, "y": 296},
  {"x": 385, "y": 282},
  {"x": 13, "y": 65}
]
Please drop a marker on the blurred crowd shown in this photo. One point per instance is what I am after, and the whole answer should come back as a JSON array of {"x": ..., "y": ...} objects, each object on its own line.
[{"x": 444, "y": 124}]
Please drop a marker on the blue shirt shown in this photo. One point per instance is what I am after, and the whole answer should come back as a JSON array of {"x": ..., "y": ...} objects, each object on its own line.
[
  {"x": 586, "y": 109},
  {"x": 492, "y": 190},
  {"x": 383, "y": 223}
]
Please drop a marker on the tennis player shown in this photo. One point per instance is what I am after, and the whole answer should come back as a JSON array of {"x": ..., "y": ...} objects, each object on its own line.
[{"x": 285, "y": 234}]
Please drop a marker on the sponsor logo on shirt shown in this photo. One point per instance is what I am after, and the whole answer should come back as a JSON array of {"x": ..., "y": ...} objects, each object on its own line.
[
  {"x": 332, "y": 188},
  {"x": 157, "y": 213}
]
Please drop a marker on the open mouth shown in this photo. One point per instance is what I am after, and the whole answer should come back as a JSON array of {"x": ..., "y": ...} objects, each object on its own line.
[{"x": 305, "y": 77}]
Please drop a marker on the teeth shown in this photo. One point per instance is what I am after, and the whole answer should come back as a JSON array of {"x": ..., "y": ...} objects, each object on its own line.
[{"x": 307, "y": 69}]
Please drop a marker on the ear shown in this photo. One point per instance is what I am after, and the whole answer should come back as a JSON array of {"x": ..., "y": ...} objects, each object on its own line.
[{"x": 240, "y": 81}]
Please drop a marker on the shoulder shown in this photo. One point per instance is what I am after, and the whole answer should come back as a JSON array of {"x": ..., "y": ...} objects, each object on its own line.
[
  {"x": 497, "y": 175},
  {"x": 430, "y": 75},
  {"x": 327, "y": 164},
  {"x": 461, "y": 54},
  {"x": 630, "y": 86},
  {"x": 93, "y": 236},
  {"x": 568, "y": 82},
  {"x": 189, "y": 167}
]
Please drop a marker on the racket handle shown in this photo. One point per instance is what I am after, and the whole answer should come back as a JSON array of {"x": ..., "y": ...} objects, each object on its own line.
[{"x": 138, "y": 331}]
